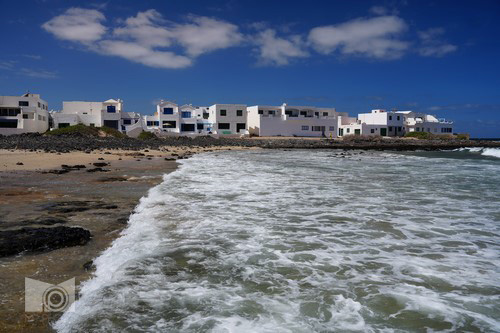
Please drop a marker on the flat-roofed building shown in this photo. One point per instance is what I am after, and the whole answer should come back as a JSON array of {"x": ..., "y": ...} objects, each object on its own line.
[{"x": 27, "y": 113}]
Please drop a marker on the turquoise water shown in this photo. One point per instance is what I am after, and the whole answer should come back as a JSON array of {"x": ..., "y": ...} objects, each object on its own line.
[{"x": 302, "y": 241}]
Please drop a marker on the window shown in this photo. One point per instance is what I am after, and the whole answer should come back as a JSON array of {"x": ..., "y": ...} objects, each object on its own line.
[
  {"x": 169, "y": 124},
  {"x": 305, "y": 128},
  {"x": 187, "y": 127},
  {"x": 428, "y": 129},
  {"x": 261, "y": 111},
  {"x": 199, "y": 126},
  {"x": 127, "y": 121},
  {"x": 372, "y": 130},
  {"x": 398, "y": 117},
  {"x": 318, "y": 128},
  {"x": 205, "y": 115},
  {"x": 8, "y": 123},
  {"x": 272, "y": 112},
  {"x": 303, "y": 113},
  {"x": 39, "y": 117},
  {"x": 347, "y": 130},
  {"x": 10, "y": 112},
  {"x": 417, "y": 129},
  {"x": 332, "y": 129},
  {"x": 325, "y": 114},
  {"x": 62, "y": 125},
  {"x": 92, "y": 125},
  {"x": 240, "y": 126},
  {"x": 152, "y": 123},
  {"x": 38, "y": 104},
  {"x": 168, "y": 110},
  {"x": 399, "y": 129},
  {"x": 186, "y": 114},
  {"x": 223, "y": 113},
  {"x": 316, "y": 114},
  {"x": 25, "y": 116},
  {"x": 390, "y": 128},
  {"x": 288, "y": 113},
  {"x": 390, "y": 118},
  {"x": 224, "y": 126},
  {"x": 239, "y": 113},
  {"x": 111, "y": 109},
  {"x": 24, "y": 103}
]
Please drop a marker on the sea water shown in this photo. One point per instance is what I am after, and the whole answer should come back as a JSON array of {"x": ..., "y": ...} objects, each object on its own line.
[{"x": 306, "y": 241}]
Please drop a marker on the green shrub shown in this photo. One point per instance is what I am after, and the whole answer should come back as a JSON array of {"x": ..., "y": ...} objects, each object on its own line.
[
  {"x": 146, "y": 136},
  {"x": 87, "y": 131},
  {"x": 463, "y": 136},
  {"x": 361, "y": 138},
  {"x": 419, "y": 135}
]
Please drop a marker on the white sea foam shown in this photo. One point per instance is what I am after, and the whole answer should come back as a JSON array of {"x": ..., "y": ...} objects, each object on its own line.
[
  {"x": 299, "y": 242},
  {"x": 492, "y": 152}
]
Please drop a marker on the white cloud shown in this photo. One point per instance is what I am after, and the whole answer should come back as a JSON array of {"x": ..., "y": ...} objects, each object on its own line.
[
  {"x": 144, "y": 55},
  {"x": 146, "y": 37},
  {"x": 432, "y": 45},
  {"x": 376, "y": 37},
  {"x": 33, "y": 56},
  {"x": 206, "y": 34},
  {"x": 38, "y": 73},
  {"x": 78, "y": 25},
  {"x": 146, "y": 29},
  {"x": 278, "y": 51},
  {"x": 379, "y": 10}
]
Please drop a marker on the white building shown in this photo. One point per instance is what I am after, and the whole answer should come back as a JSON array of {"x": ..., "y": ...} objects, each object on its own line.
[
  {"x": 23, "y": 114},
  {"x": 171, "y": 119},
  {"x": 286, "y": 120},
  {"x": 97, "y": 114},
  {"x": 393, "y": 123},
  {"x": 228, "y": 119}
]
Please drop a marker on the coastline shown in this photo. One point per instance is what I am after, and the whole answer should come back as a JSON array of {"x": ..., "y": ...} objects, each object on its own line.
[{"x": 35, "y": 194}]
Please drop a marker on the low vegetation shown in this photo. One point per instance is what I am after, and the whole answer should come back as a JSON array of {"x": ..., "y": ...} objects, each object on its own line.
[
  {"x": 431, "y": 136},
  {"x": 146, "y": 136},
  {"x": 361, "y": 138},
  {"x": 86, "y": 131}
]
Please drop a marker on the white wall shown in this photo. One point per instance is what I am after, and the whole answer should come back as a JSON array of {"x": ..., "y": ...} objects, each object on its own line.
[{"x": 36, "y": 113}]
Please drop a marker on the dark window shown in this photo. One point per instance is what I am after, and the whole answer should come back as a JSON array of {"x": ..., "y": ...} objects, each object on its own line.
[
  {"x": 199, "y": 126},
  {"x": 111, "y": 124},
  {"x": 111, "y": 109},
  {"x": 318, "y": 128},
  {"x": 25, "y": 116},
  {"x": 123, "y": 128},
  {"x": 316, "y": 114},
  {"x": 399, "y": 129},
  {"x": 127, "y": 121},
  {"x": 225, "y": 126},
  {"x": 325, "y": 114},
  {"x": 169, "y": 124},
  {"x": 62, "y": 125},
  {"x": 92, "y": 125},
  {"x": 8, "y": 123},
  {"x": 347, "y": 130},
  {"x": 240, "y": 126},
  {"x": 398, "y": 118},
  {"x": 187, "y": 127},
  {"x": 168, "y": 111},
  {"x": 205, "y": 115},
  {"x": 261, "y": 111},
  {"x": 13, "y": 112},
  {"x": 288, "y": 113},
  {"x": 38, "y": 104},
  {"x": 390, "y": 118},
  {"x": 272, "y": 112},
  {"x": 303, "y": 113},
  {"x": 305, "y": 128},
  {"x": 24, "y": 103},
  {"x": 332, "y": 128},
  {"x": 223, "y": 113},
  {"x": 372, "y": 131},
  {"x": 239, "y": 113},
  {"x": 390, "y": 128},
  {"x": 186, "y": 114}
]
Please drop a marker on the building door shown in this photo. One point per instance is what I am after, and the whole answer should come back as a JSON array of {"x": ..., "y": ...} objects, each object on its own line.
[
  {"x": 341, "y": 131},
  {"x": 383, "y": 131},
  {"x": 357, "y": 131}
]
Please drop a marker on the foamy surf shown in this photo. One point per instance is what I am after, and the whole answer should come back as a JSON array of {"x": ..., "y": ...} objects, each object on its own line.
[
  {"x": 302, "y": 241},
  {"x": 492, "y": 152}
]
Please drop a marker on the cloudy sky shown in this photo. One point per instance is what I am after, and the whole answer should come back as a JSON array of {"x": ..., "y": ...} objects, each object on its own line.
[{"x": 441, "y": 57}]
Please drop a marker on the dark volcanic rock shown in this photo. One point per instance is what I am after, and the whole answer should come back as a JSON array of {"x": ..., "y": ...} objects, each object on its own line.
[
  {"x": 66, "y": 207},
  {"x": 97, "y": 170},
  {"x": 13, "y": 242},
  {"x": 100, "y": 164}
]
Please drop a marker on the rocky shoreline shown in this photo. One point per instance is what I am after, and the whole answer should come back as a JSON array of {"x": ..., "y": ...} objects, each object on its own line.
[{"x": 78, "y": 142}]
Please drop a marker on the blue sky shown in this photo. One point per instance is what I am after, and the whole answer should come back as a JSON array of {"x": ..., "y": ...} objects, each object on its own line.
[{"x": 440, "y": 57}]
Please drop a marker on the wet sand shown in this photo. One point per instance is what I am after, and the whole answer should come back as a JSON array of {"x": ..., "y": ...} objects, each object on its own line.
[{"x": 28, "y": 195}]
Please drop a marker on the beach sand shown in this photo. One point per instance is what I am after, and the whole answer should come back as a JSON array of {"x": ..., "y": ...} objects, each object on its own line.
[{"x": 28, "y": 195}]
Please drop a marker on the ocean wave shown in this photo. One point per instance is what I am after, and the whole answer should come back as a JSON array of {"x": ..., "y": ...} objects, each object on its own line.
[{"x": 491, "y": 152}]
